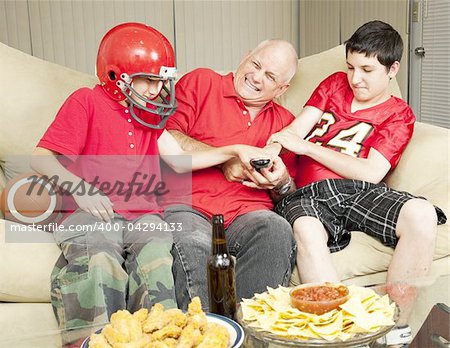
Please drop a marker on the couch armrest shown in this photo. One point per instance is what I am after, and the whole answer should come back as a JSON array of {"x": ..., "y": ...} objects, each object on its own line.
[{"x": 424, "y": 166}]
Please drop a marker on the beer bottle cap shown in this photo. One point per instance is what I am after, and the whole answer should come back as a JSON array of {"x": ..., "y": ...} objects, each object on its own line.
[{"x": 217, "y": 218}]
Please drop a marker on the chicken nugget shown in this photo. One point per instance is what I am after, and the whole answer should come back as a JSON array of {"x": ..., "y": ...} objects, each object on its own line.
[
  {"x": 167, "y": 318},
  {"x": 170, "y": 342},
  {"x": 124, "y": 328},
  {"x": 175, "y": 316},
  {"x": 120, "y": 315},
  {"x": 190, "y": 337},
  {"x": 141, "y": 314},
  {"x": 130, "y": 326},
  {"x": 170, "y": 331},
  {"x": 195, "y": 306},
  {"x": 157, "y": 344},
  {"x": 195, "y": 315},
  {"x": 215, "y": 336},
  {"x": 113, "y": 335},
  {"x": 98, "y": 341},
  {"x": 156, "y": 310},
  {"x": 142, "y": 342},
  {"x": 153, "y": 319}
]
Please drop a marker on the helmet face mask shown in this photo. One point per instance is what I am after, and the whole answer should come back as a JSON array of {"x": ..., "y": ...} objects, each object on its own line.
[{"x": 134, "y": 50}]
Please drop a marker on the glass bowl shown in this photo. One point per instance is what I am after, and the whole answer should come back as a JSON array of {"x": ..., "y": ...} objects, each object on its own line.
[
  {"x": 318, "y": 298},
  {"x": 263, "y": 339}
]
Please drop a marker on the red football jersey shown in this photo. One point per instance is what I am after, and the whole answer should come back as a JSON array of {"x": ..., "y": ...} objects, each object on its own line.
[{"x": 386, "y": 127}]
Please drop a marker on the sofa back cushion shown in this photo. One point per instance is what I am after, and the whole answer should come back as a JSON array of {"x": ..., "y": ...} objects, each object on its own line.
[{"x": 32, "y": 92}]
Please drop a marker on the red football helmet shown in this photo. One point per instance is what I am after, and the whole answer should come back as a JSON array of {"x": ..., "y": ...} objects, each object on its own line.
[{"x": 132, "y": 50}]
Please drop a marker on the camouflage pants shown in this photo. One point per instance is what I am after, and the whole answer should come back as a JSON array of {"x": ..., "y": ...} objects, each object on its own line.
[{"x": 107, "y": 267}]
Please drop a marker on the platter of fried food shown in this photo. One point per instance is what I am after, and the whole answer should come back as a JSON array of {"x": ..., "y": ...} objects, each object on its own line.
[
  {"x": 159, "y": 328},
  {"x": 364, "y": 317}
]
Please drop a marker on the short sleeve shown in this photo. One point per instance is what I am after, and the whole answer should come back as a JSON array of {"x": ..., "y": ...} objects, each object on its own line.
[
  {"x": 185, "y": 116},
  {"x": 392, "y": 138},
  {"x": 67, "y": 133},
  {"x": 319, "y": 98}
]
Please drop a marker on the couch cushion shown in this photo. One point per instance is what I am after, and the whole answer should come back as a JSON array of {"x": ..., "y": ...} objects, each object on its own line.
[
  {"x": 25, "y": 267},
  {"x": 34, "y": 90},
  {"x": 22, "y": 320}
]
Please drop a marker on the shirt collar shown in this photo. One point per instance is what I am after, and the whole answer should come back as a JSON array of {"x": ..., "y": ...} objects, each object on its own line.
[
  {"x": 113, "y": 104},
  {"x": 228, "y": 86}
]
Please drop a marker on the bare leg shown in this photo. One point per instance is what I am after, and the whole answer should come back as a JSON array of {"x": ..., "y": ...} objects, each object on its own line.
[
  {"x": 416, "y": 230},
  {"x": 314, "y": 262}
]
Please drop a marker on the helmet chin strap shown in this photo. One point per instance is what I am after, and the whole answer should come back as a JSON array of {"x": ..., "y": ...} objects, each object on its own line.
[
  {"x": 160, "y": 125},
  {"x": 165, "y": 109}
]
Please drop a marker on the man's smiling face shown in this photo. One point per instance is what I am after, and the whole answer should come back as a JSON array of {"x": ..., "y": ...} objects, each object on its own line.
[{"x": 261, "y": 76}]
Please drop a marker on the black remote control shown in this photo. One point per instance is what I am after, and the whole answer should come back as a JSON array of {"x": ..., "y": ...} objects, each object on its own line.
[{"x": 260, "y": 163}]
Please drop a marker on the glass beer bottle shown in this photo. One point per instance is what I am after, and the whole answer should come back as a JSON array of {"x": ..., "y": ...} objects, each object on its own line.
[{"x": 221, "y": 283}]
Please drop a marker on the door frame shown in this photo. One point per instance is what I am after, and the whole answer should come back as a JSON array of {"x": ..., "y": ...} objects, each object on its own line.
[{"x": 415, "y": 61}]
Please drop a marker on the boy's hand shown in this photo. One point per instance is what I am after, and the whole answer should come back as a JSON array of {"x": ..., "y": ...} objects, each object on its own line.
[
  {"x": 290, "y": 141},
  {"x": 96, "y": 203}
]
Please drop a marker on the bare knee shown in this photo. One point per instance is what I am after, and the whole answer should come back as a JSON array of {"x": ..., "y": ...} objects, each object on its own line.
[
  {"x": 418, "y": 221},
  {"x": 309, "y": 230}
]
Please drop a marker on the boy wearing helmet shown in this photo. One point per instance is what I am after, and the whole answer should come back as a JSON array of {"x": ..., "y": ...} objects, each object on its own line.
[{"x": 115, "y": 247}]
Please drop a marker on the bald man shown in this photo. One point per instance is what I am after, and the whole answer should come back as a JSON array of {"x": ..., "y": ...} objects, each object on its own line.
[{"x": 216, "y": 110}]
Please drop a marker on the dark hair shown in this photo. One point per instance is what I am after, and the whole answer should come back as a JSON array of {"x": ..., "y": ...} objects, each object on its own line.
[{"x": 378, "y": 39}]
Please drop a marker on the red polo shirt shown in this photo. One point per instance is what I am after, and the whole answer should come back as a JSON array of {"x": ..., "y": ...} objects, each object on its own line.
[
  {"x": 114, "y": 147},
  {"x": 210, "y": 111}
]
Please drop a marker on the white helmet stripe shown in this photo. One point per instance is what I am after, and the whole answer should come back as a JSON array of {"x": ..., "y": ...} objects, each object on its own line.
[{"x": 168, "y": 72}]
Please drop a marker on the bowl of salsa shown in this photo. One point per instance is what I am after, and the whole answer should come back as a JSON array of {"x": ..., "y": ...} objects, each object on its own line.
[{"x": 318, "y": 298}]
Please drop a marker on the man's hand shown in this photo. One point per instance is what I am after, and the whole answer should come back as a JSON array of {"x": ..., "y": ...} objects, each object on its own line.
[
  {"x": 246, "y": 153},
  {"x": 233, "y": 170},
  {"x": 239, "y": 169},
  {"x": 95, "y": 202},
  {"x": 268, "y": 178}
]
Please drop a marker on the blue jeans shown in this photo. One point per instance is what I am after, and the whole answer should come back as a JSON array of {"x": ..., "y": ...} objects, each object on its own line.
[{"x": 261, "y": 241}]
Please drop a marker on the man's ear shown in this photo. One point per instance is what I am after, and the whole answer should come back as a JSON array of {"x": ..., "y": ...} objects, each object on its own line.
[
  {"x": 393, "y": 70},
  {"x": 282, "y": 89}
]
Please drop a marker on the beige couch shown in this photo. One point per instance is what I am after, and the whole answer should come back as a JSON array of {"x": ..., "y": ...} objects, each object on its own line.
[{"x": 31, "y": 93}]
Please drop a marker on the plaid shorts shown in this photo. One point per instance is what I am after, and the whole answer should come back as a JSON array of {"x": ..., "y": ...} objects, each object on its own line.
[{"x": 344, "y": 205}]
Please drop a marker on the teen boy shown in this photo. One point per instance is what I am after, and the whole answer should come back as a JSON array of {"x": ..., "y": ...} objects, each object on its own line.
[{"x": 349, "y": 135}]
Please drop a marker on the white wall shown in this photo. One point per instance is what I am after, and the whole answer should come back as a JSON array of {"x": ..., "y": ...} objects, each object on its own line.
[
  {"x": 327, "y": 23},
  {"x": 215, "y": 34}
]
